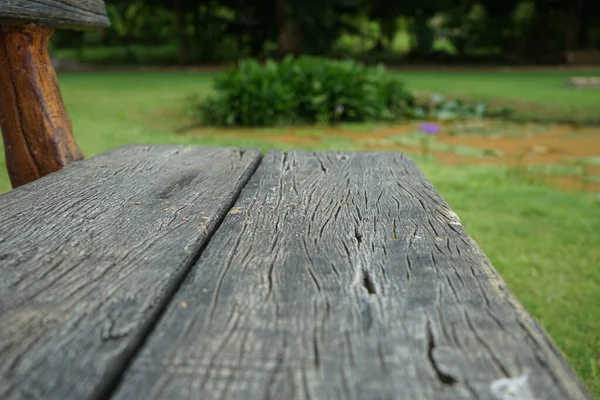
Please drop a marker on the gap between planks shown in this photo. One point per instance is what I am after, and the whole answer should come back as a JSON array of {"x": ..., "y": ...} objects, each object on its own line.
[
  {"x": 443, "y": 294},
  {"x": 88, "y": 245},
  {"x": 170, "y": 292}
]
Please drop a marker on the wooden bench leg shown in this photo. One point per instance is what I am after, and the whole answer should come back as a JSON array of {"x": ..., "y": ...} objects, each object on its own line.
[{"x": 37, "y": 131}]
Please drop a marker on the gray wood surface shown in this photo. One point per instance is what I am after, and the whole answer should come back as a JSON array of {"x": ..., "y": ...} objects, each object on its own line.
[
  {"x": 90, "y": 255},
  {"x": 345, "y": 276},
  {"x": 55, "y": 13}
]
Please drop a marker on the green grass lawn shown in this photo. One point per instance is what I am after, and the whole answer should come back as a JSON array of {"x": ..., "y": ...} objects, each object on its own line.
[
  {"x": 544, "y": 243},
  {"x": 540, "y": 94}
]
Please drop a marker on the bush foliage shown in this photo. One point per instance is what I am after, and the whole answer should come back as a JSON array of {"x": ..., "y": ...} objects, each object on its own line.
[
  {"x": 305, "y": 90},
  {"x": 310, "y": 90}
]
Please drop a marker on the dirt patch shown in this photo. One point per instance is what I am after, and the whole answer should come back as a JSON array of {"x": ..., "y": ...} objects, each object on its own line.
[
  {"x": 563, "y": 155},
  {"x": 548, "y": 147}
]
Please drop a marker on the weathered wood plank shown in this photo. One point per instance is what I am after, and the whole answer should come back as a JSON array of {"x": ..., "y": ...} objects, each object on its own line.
[
  {"x": 345, "y": 276},
  {"x": 91, "y": 254},
  {"x": 55, "y": 13}
]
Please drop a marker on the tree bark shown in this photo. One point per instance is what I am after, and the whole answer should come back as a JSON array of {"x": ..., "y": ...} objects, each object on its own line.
[
  {"x": 181, "y": 32},
  {"x": 573, "y": 21},
  {"x": 424, "y": 37},
  {"x": 290, "y": 32},
  {"x": 37, "y": 131},
  {"x": 589, "y": 15}
]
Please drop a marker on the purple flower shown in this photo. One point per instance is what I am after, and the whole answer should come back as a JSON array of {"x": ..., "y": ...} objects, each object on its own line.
[{"x": 429, "y": 129}]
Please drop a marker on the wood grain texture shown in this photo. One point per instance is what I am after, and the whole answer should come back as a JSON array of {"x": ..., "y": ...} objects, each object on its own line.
[
  {"x": 90, "y": 255},
  {"x": 55, "y": 13},
  {"x": 37, "y": 131},
  {"x": 345, "y": 276}
]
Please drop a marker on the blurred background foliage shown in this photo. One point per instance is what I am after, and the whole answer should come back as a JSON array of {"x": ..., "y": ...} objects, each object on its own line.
[{"x": 162, "y": 32}]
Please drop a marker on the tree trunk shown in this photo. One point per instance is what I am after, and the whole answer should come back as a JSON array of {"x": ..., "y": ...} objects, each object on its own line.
[
  {"x": 181, "y": 32},
  {"x": 389, "y": 29},
  {"x": 290, "y": 32},
  {"x": 197, "y": 20},
  {"x": 424, "y": 38},
  {"x": 589, "y": 14},
  {"x": 573, "y": 21}
]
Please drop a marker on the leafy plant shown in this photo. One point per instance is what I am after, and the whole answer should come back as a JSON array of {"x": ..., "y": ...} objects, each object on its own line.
[
  {"x": 305, "y": 90},
  {"x": 312, "y": 90}
]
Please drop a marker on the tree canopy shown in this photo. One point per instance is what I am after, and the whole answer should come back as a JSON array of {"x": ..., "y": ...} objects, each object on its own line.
[{"x": 527, "y": 31}]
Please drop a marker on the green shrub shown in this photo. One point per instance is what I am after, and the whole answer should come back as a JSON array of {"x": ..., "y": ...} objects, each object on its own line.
[{"x": 304, "y": 90}]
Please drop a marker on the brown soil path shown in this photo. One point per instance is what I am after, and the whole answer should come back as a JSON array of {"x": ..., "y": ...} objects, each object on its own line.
[{"x": 513, "y": 144}]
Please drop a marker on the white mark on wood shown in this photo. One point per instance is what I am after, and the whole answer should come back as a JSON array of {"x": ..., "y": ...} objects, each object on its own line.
[
  {"x": 512, "y": 388},
  {"x": 453, "y": 219}
]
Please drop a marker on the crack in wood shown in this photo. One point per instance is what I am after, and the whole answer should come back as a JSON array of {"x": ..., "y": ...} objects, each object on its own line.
[
  {"x": 322, "y": 165},
  {"x": 320, "y": 333},
  {"x": 368, "y": 283},
  {"x": 443, "y": 377},
  {"x": 358, "y": 236}
]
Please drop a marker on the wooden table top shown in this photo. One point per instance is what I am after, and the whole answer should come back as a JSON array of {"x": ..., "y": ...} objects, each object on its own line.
[{"x": 168, "y": 272}]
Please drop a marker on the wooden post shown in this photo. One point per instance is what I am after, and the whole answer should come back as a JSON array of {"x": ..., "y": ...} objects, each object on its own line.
[{"x": 37, "y": 132}]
